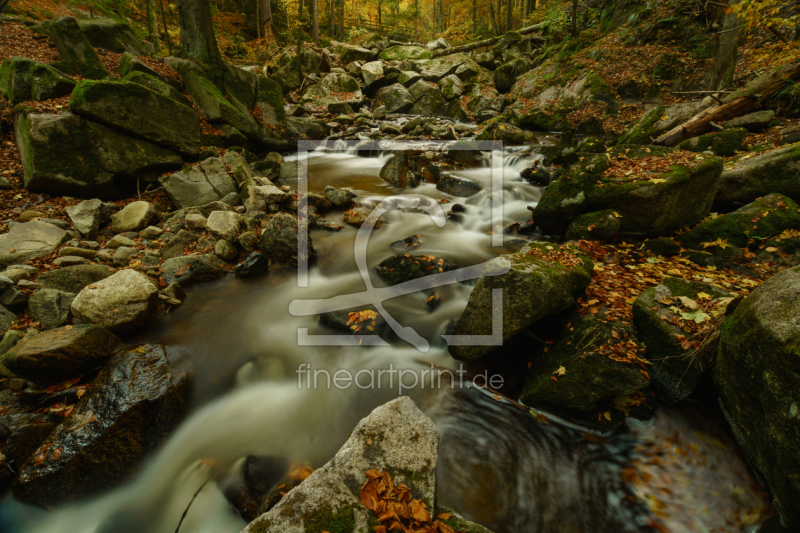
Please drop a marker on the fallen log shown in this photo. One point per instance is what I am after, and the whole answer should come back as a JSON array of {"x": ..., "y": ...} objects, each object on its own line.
[
  {"x": 487, "y": 42},
  {"x": 735, "y": 105}
]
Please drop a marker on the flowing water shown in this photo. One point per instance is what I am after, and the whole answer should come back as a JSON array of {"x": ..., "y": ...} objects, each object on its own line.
[{"x": 498, "y": 464}]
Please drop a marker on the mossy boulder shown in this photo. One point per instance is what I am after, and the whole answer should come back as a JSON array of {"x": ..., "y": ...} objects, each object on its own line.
[
  {"x": 400, "y": 52},
  {"x": 404, "y": 267},
  {"x": 334, "y": 88},
  {"x": 748, "y": 178},
  {"x": 766, "y": 217},
  {"x": 23, "y": 79},
  {"x": 73, "y": 46},
  {"x": 675, "y": 374},
  {"x": 757, "y": 377},
  {"x": 135, "y": 109},
  {"x": 505, "y": 76},
  {"x": 452, "y": 86},
  {"x": 157, "y": 85},
  {"x": 200, "y": 184},
  {"x": 496, "y": 130},
  {"x": 665, "y": 246},
  {"x": 395, "y": 98},
  {"x": 269, "y": 99},
  {"x": 436, "y": 69},
  {"x": 429, "y": 100},
  {"x": 111, "y": 35},
  {"x": 536, "y": 282},
  {"x": 659, "y": 120},
  {"x": 655, "y": 205},
  {"x": 576, "y": 377},
  {"x": 603, "y": 225},
  {"x": 724, "y": 143},
  {"x": 348, "y": 53},
  {"x": 69, "y": 155}
]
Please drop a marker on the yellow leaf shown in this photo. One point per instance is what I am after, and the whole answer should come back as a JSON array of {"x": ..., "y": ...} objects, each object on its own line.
[
  {"x": 772, "y": 249},
  {"x": 617, "y": 215},
  {"x": 607, "y": 415},
  {"x": 561, "y": 371},
  {"x": 703, "y": 296}
]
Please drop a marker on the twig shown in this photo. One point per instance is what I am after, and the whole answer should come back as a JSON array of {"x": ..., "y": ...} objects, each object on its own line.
[
  {"x": 732, "y": 29},
  {"x": 190, "y": 504}
]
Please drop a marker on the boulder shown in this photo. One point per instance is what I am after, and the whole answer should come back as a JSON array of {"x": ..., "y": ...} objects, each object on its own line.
[
  {"x": 269, "y": 99},
  {"x": 493, "y": 129},
  {"x": 756, "y": 377},
  {"x": 349, "y": 52},
  {"x": 111, "y": 35},
  {"x": 121, "y": 303},
  {"x": 395, "y": 438},
  {"x": 587, "y": 378},
  {"x": 754, "y": 122},
  {"x": 429, "y": 100},
  {"x": 674, "y": 375},
  {"x": 542, "y": 279},
  {"x": 30, "y": 240},
  {"x": 408, "y": 78},
  {"x": 279, "y": 240},
  {"x": 766, "y": 217},
  {"x": 190, "y": 269},
  {"x": 747, "y": 178},
  {"x": 405, "y": 267},
  {"x": 339, "y": 197},
  {"x": 7, "y": 319},
  {"x": 400, "y": 52},
  {"x": 73, "y": 278},
  {"x": 226, "y": 250},
  {"x": 307, "y": 127},
  {"x": 333, "y": 88},
  {"x": 156, "y": 84},
  {"x": 130, "y": 409},
  {"x": 50, "y": 307},
  {"x": 75, "y": 48},
  {"x": 180, "y": 243},
  {"x": 456, "y": 186},
  {"x": 660, "y": 120},
  {"x": 255, "y": 265},
  {"x": 505, "y": 76},
  {"x": 24, "y": 79},
  {"x": 724, "y": 143},
  {"x": 224, "y": 224},
  {"x": 59, "y": 354},
  {"x": 87, "y": 216},
  {"x": 451, "y": 86},
  {"x": 372, "y": 74},
  {"x": 438, "y": 44},
  {"x": 270, "y": 194},
  {"x": 436, "y": 69},
  {"x": 651, "y": 204},
  {"x": 603, "y": 225},
  {"x": 134, "y": 109},
  {"x": 394, "y": 98},
  {"x": 134, "y": 217},
  {"x": 396, "y": 171},
  {"x": 200, "y": 184},
  {"x": 69, "y": 155},
  {"x": 130, "y": 63}
]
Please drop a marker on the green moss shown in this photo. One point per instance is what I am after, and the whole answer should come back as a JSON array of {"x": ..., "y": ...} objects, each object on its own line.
[
  {"x": 725, "y": 143},
  {"x": 643, "y": 131},
  {"x": 324, "y": 519},
  {"x": 399, "y": 53},
  {"x": 665, "y": 246},
  {"x": 260, "y": 526}
]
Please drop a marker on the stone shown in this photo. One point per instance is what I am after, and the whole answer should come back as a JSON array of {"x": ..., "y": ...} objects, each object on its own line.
[
  {"x": 191, "y": 269},
  {"x": 400, "y": 52},
  {"x": 255, "y": 265},
  {"x": 134, "y": 109},
  {"x": 348, "y": 53},
  {"x": 408, "y": 78},
  {"x": 335, "y": 87},
  {"x": 505, "y": 76},
  {"x": 603, "y": 225},
  {"x": 270, "y": 194},
  {"x": 177, "y": 245},
  {"x": 13, "y": 300},
  {"x": 158, "y": 84},
  {"x": 394, "y": 98},
  {"x": 70, "y": 260},
  {"x": 311, "y": 127},
  {"x": 120, "y": 240},
  {"x": 776, "y": 171},
  {"x": 456, "y": 186},
  {"x": 121, "y": 303},
  {"x": 74, "y": 47},
  {"x": 754, "y": 122},
  {"x": 74, "y": 278},
  {"x": 24, "y": 79},
  {"x": 395, "y": 437},
  {"x": 57, "y": 355},
  {"x": 451, "y": 86},
  {"x": 533, "y": 288},
  {"x": 87, "y": 216},
  {"x": 396, "y": 171},
  {"x": 665, "y": 246},
  {"x": 723, "y": 143},
  {"x": 279, "y": 240},
  {"x": 67, "y": 154},
  {"x": 226, "y": 250},
  {"x": 151, "y": 232},
  {"x": 438, "y": 44},
  {"x": 196, "y": 221},
  {"x": 248, "y": 241},
  {"x": 137, "y": 400},
  {"x": 756, "y": 377},
  {"x": 7, "y": 319},
  {"x": 405, "y": 267},
  {"x": 50, "y": 307},
  {"x": 660, "y": 120},
  {"x": 372, "y": 74},
  {"x": 225, "y": 225},
  {"x": 30, "y": 240},
  {"x": 390, "y": 129},
  {"x": 766, "y": 217},
  {"x": 198, "y": 185},
  {"x": 111, "y": 35},
  {"x": 269, "y": 98},
  {"x": 134, "y": 217}
]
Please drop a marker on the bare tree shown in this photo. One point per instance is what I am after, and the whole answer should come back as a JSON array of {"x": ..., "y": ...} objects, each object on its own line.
[
  {"x": 725, "y": 50},
  {"x": 493, "y": 18},
  {"x": 198, "y": 41},
  {"x": 499, "y": 13},
  {"x": 509, "y": 12},
  {"x": 152, "y": 24},
  {"x": 439, "y": 17},
  {"x": 340, "y": 17},
  {"x": 574, "y": 18},
  {"x": 265, "y": 20},
  {"x": 315, "y": 21}
]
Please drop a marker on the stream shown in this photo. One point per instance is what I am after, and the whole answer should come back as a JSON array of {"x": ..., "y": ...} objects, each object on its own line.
[{"x": 498, "y": 465}]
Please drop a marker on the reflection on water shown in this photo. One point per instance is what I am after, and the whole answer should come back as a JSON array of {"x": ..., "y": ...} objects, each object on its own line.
[{"x": 499, "y": 465}]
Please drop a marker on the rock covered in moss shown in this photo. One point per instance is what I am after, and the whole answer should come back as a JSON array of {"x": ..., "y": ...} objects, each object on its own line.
[
  {"x": 279, "y": 240},
  {"x": 400, "y": 52},
  {"x": 198, "y": 185},
  {"x": 349, "y": 52},
  {"x": 603, "y": 225},
  {"x": 647, "y": 205},
  {"x": 394, "y": 98},
  {"x": 131, "y": 407},
  {"x": 660, "y": 120},
  {"x": 396, "y": 171},
  {"x": 665, "y": 246},
  {"x": 405, "y": 267},
  {"x": 505, "y": 76},
  {"x": 67, "y": 154},
  {"x": 756, "y": 377},
  {"x": 675, "y": 376},
  {"x": 538, "y": 281},
  {"x": 451, "y": 86},
  {"x": 111, "y": 35},
  {"x": 24, "y": 79},
  {"x": 752, "y": 121},
  {"x": 74, "y": 47},
  {"x": 158, "y": 85},
  {"x": 724, "y": 143},
  {"x": 576, "y": 377},
  {"x": 395, "y": 437},
  {"x": 121, "y": 303},
  {"x": 766, "y": 217},
  {"x": 746, "y": 179},
  {"x": 187, "y": 270},
  {"x": 333, "y": 88}
]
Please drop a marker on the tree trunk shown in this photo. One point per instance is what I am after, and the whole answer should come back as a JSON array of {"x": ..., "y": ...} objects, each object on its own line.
[
  {"x": 487, "y": 42},
  {"x": 340, "y": 19},
  {"x": 166, "y": 30},
  {"x": 474, "y": 17},
  {"x": 265, "y": 20},
  {"x": 574, "y": 19},
  {"x": 725, "y": 50},
  {"x": 416, "y": 19},
  {"x": 198, "y": 41},
  {"x": 379, "y": 15},
  {"x": 439, "y": 25},
  {"x": 509, "y": 13},
  {"x": 315, "y": 21},
  {"x": 495, "y": 29},
  {"x": 499, "y": 12},
  {"x": 152, "y": 24},
  {"x": 737, "y": 104}
]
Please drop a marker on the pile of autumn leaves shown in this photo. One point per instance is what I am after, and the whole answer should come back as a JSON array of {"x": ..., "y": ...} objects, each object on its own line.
[{"x": 396, "y": 509}]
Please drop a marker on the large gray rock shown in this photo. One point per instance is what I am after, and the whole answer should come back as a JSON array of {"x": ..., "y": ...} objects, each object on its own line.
[
  {"x": 753, "y": 121},
  {"x": 87, "y": 216},
  {"x": 120, "y": 303},
  {"x": 307, "y": 127},
  {"x": 59, "y": 354},
  {"x": 372, "y": 74},
  {"x": 333, "y": 88},
  {"x": 279, "y": 240},
  {"x": 50, "y": 307},
  {"x": 396, "y": 171},
  {"x": 776, "y": 171},
  {"x": 132, "y": 406},
  {"x": 395, "y": 437},
  {"x": 69, "y": 155},
  {"x": 269, "y": 98},
  {"x": 134, "y": 217},
  {"x": 157, "y": 84},
  {"x": 30, "y": 240},
  {"x": 7, "y": 319},
  {"x": 200, "y": 184},
  {"x": 534, "y": 287},
  {"x": 74, "y": 47},
  {"x": 451, "y": 86},
  {"x": 73, "y": 278},
  {"x": 224, "y": 224},
  {"x": 394, "y": 98},
  {"x": 24, "y": 79},
  {"x": 349, "y": 52},
  {"x": 136, "y": 110},
  {"x": 111, "y": 35},
  {"x": 660, "y": 120},
  {"x": 181, "y": 242},
  {"x": 757, "y": 377},
  {"x": 190, "y": 269}
]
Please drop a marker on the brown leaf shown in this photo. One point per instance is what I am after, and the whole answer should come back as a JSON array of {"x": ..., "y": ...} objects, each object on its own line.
[{"x": 369, "y": 496}]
